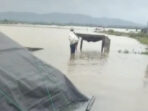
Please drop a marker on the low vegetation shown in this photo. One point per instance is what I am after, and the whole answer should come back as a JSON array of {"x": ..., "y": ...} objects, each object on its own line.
[
  {"x": 145, "y": 53},
  {"x": 140, "y": 36},
  {"x": 6, "y": 21}
]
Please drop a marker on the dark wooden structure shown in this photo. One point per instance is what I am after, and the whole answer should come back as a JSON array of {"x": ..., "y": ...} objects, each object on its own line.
[
  {"x": 94, "y": 38},
  {"x": 144, "y": 30}
]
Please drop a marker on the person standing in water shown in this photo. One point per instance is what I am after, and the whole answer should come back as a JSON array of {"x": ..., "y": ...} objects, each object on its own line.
[{"x": 73, "y": 41}]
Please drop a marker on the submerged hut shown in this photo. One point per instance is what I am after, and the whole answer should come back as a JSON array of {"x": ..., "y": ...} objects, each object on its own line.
[{"x": 94, "y": 38}]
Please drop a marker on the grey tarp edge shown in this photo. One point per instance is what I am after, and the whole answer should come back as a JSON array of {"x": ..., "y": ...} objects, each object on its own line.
[{"x": 28, "y": 84}]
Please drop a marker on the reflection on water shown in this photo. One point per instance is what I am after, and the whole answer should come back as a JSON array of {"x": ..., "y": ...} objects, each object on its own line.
[
  {"x": 88, "y": 55},
  {"x": 87, "y": 58},
  {"x": 146, "y": 77}
]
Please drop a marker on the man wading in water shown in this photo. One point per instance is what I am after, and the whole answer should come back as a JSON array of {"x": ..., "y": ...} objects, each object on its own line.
[{"x": 73, "y": 41}]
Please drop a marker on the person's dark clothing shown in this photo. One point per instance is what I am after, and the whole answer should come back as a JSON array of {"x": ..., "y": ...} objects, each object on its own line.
[{"x": 73, "y": 48}]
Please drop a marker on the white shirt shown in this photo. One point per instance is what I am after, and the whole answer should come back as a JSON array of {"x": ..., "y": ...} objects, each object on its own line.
[{"x": 73, "y": 38}]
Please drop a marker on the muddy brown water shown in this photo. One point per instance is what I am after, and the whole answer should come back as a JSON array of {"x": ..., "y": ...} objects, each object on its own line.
[{"x": 119, "y": 81}]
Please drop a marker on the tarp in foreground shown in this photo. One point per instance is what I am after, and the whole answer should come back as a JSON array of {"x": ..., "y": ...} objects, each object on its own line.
[{"x": 28, "y": 84}]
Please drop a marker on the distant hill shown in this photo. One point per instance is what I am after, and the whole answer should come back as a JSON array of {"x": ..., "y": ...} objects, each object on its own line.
[{"x": 62, "y": 18}]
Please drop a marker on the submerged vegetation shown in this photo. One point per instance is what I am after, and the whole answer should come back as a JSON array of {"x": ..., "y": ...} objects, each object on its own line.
[
  {"x": 140, "y": 36},
  {"x": 132, "y": 52}
]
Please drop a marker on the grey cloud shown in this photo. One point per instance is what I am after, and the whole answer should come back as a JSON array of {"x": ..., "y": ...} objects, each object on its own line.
[{"x": 133, "y": 10}]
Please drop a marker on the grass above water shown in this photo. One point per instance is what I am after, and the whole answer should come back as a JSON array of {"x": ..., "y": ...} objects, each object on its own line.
[{"x": 140, "y": 36}]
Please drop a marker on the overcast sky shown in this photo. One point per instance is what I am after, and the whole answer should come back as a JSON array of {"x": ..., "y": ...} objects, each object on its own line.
[{"x": 133, "y": 10}]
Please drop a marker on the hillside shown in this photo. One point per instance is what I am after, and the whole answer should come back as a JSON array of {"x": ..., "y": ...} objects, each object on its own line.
[{"x": 62, "y": 18}]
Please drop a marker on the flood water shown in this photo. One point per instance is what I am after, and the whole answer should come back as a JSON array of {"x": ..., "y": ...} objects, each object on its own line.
[{"x": 119, "y": 81}]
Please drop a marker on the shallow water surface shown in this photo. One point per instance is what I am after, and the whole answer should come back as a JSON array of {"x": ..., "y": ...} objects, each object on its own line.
[{"x": 118, "y": 81}]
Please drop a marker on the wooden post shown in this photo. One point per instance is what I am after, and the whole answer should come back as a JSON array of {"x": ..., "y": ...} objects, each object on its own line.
[
  {"x": 107, "y": 45},
  {"x": 102, "y": 48},
  {"x": 108, "y": 48},
  {"x": 81, "y": 45}
]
